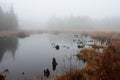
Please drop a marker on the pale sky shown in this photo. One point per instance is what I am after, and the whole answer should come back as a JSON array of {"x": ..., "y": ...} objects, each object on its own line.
[{"x": 43, "y": 9}]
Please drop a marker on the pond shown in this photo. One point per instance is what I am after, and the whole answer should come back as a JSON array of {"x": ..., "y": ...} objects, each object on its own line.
[{"x": 32, "y": 56}]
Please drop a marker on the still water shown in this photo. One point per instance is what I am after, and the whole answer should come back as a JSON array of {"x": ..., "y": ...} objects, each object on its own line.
[{"x": 29, "y": 57}]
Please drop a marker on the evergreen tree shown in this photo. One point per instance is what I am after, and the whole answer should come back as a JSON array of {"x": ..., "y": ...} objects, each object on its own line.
[{"x": 8, "y": 20}]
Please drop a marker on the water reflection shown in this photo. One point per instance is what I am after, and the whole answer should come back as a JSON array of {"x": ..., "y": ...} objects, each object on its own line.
[
  {"x": 8, "y": 44},
  {"x": 37, "y": 55}
]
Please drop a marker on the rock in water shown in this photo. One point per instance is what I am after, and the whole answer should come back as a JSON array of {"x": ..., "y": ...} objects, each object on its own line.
[
  {"x": 57, "y": 47},
  {"x": 54, "y": 63},
  {"x": 46, "y": 73}
]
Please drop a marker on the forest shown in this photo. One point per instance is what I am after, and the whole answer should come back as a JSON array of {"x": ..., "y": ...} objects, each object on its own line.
[{"x": 8, "y": 20}]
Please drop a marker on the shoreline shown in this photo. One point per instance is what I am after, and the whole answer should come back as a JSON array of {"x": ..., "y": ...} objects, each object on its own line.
[{"x": 8, "y": 33}]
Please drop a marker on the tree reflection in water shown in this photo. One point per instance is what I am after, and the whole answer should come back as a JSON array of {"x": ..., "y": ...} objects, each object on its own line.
[{"x": 8, "y": 44}]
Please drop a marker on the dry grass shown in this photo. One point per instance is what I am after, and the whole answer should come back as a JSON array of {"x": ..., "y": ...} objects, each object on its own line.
[{"x": 88, "y": 55}]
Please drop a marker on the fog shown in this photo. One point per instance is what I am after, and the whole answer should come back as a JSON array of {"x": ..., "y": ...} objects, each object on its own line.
[
  {"x": 8, "y": 19},
  {"x": 68, "y": 14}
]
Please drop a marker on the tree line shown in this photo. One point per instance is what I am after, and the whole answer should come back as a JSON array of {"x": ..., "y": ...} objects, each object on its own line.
[
  {"x": 84, "y": 22},
  {"x": 8, "y": 20}
]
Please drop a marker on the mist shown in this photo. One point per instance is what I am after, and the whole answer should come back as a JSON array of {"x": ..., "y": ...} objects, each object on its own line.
[
  {"x": 8, "y": 20},
  {"x": 65, "y": 14}
]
